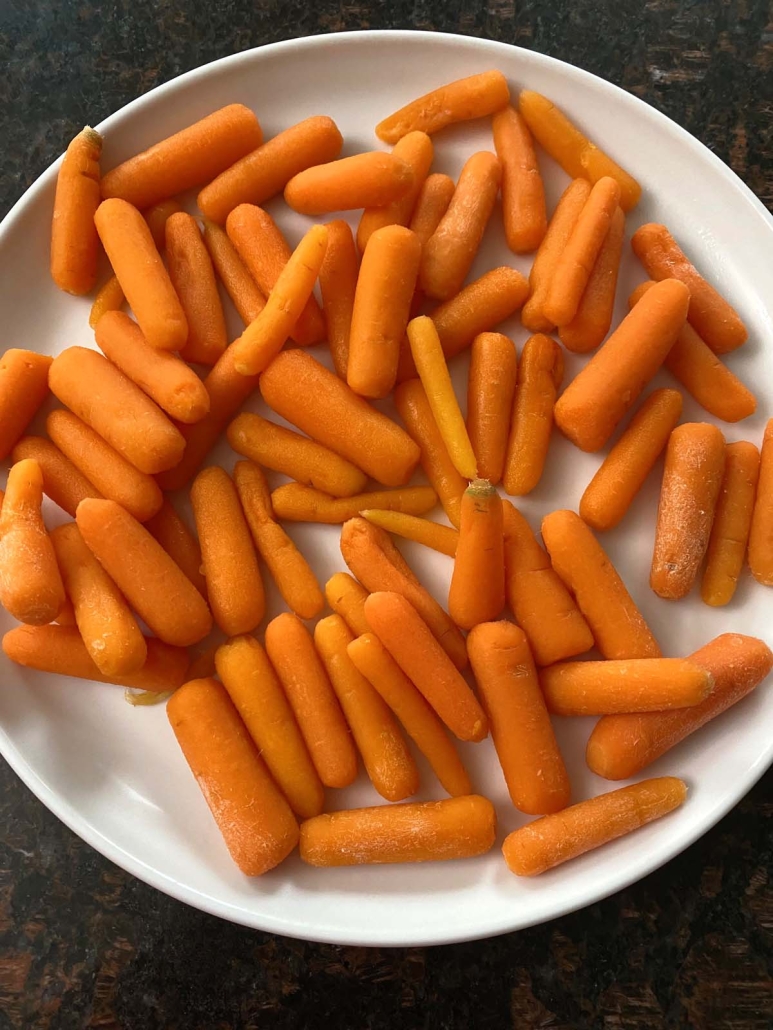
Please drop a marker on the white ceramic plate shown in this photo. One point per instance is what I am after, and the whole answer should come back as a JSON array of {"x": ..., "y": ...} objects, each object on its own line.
[{"x": 114, "y": 773}]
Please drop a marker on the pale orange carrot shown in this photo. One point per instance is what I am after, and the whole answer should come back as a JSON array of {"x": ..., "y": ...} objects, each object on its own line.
[
  {"x": 193, "y": 277},
  {"x": 23, "y": 388},
  {"x": 110, "y": 297},
  {"x": 490, "y": 390},
  {"x": 459, "y": 101},
  {"x": 416, "y": 150},
  {"x": 373, "y": 179},
  {"x": 63, "y": 482},
  {"x": 74, "y": 240},
  {"x": 422, "y": 531},
  {"x": 523, "y": 194},
  {"x": 347, "y": 598},
  {"x": 761, "y": 533},
  {"x": 594, "y": 314},
  {"x": 180, "y": 544},
  {"x": 233, "y": 274},
  {"x": 297, "y": 503},
  {"x": 431, "y": 204},
  {"x": 337, "y": 284},
  {"x": 477, "y": 592}
]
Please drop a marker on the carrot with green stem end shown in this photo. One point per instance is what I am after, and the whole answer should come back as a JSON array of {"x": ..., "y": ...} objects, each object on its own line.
[
  {"x": 63, "y": 482},
  {"x": 23, "y": 388},
  {"x": 372, "y": 179},
  {"x": 594, "y": 314},
  {"x": 431, "y": 204},
  {"x": 347, "y": 598},
  {"x": 459, "y": 101},
  {"x": 416, "y": 150},
  {"x": 180, "y": 544},
  {"x": 732, "y": 522},
  {"x": 297, "y": 503},
  {"x": 233, "y": 274},
  {"x": 337, "y": 284},
  {"x": 761, "y": 532},
  {"x": 193, "y": 277},
  {"x": 523, "y": 194},
  {"x": 74, "y": 240},
  {"x": 477, "y": 592},
  {"x": 422, "y": 531},
  {"x": 490, "y": 389}
]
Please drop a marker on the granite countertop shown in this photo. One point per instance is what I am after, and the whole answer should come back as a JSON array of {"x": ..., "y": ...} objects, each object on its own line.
[{"x": 83, "y": 944}]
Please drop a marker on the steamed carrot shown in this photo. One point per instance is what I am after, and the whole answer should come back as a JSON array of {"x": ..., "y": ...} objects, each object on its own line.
[
  {"x": 490, "y": 390},
  {"x": 386, "y": 757},
  {"x": 193, "y": 156},
  {"x": 257, "y": 824},
  {"x": 616, "y": 623},
  {"x": 65, "y": 484},
  {"x": 74, "y": 240},
  {"x": 523, "y": 194},
  {"x": 761, "y": 533},
  {"x": 594, "y": 314},
  {"x": 710, "y": 314},
  {"x": 416, "y": 150},
  {"x": 233, "y": 274},
  {"x": 732, "y": 521},
  {"x": 152, "y": 583},
  {"x": 264, "y": 172},
  {"x": 230, "y": 564},
  {"x": 523, "y": 736},
  {"x": 692, "y": 479},
  {"x": 459, "y": 101},
  {"x": 193, "y": 277},
  {"x": 421, "y": 531},
  {"x": 554, "y": 839},
  {"x": 110, "y": 297},
  {"x": 180, "y": 544},
  {"x": 337, "y": 284},
  {"x": 31, "y": 587},
  {"x": 298, "y": 503},
  {"x": 23, "y": 388},
  {"x": 477, "y": 592},
  {"x": 621, "y": 475},
  {"x": 607, "y": 387},
  {"x": 431, "y": 204},
  {"x": 347, "y": 598},
  {"x": 621, "y": 746},
  {"x": 373, "y": 179},
  {"x": 541, "y": 373}
]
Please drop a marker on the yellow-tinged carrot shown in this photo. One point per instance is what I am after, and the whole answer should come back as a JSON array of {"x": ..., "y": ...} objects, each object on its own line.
[
  {"x": 298, "y": 503},
  {"x": 421, "y": 531}
]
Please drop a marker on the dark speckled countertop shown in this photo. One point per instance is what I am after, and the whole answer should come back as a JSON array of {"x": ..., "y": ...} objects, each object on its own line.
[{"x": 83, "y": 944}]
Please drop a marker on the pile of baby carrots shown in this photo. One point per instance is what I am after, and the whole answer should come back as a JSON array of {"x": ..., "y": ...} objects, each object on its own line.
[{"x": 271, "y": 729}]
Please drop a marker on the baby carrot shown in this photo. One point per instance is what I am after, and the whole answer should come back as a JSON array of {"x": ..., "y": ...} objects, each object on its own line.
[
  {"x": 257, "y": 824},
  {"x": 31, "y": 587},
  {"x": 110, "y": 297},
  {"x": 337, "y": 284},
  {"x": 419, "y": 720},
  {"x": 621, "y": 746},
  {"x": 107, "y": 626},
  {"x": 431, "y": 204},
  {"x": 111, "y": 474},
  {"x": 62, "y": 481},
  {"x": 616, "y": 623},
  {"x": 300, "y": 670},
  {"x": 490, "y": 390},
  {"x": 523, "y": 195},
  {"x": 157, "y": 215},
  {"x": 431, "y": 365},
  {"x": 74, "y": 240},
  {"x": 23, "y": 388},
  {"x": 152, "y": 583},
  {"x": 382, "y": 302},
  {"x": 594, "y": 314},
  {"x": 264, "y": 172},
  {"x": 347, "y": 598},
  {"x": 289, "y": 569},
  {"x": 540, "y": 602},
  {"x": 386, "y": 757},
  {"x": 298, "y": 503},
  {"x": 621, "y": 475},
  {"x": 140, "y": 271},
  {"x": 692, "y": 478},
  {"x": 230, "y": 564},
  {"x": 233, "y": 274},
  {"x": 193, "y": 277},
  {"x": 553, "y": 839},
  {"x": 193, "y": 156},
  {"x": 422, "y": 531},
  {"x": 459, "y": 101},
  {"x": 66, "y": 616},
  {"x": 338, "y": 418},
  {"x": 710, "y": 315},
  {"x": 180, "y": 544},
  {"x": 541, "y": 373},
  {"x": 551, "y": 248},
  {"x": 761, "y": 533},
  {"x": 161, "y": 375},
  {"x": 448, "y": 254},
  {"x": 373, "y": 179},
  {"x": 523, "y": 736},
  {"x": 732, "y": 521},
  {"x": 477, "y": 592},
  {"x": 416, "y": 150},
  {"x": 378, "y": 565},
  {"x": 607, "y": 387}
]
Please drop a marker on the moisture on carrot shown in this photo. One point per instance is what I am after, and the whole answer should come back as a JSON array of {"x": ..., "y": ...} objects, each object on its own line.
[
  {"x": 74, "y": 240},
  {"x": 409, "y": 527},
  {"x": 540, "y": 375},
  {"x": 372, "y": 179},
  {"x": 477, "y": 592},
  {"x": 297, "y": 503},
  {"x": 523, "y": 194},
  {"x": 490, "y": 390},
  {"x": 761, "y": 533},
  {"x": 732, "y": 522},
  {"x": 23, "y": 388},
  {"x": 179, "y": 543},
  {"x": 594, "y": 314},
  {"x": 337, "y": 284},
  {"x": 416, "y": 150},
  {"x": 232, "y": 273},
  {"x": 347, "y": 598},
  {"x": 63, "y": 482}
]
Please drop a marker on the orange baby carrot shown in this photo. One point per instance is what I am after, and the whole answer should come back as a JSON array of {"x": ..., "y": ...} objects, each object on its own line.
[
  {"x": 422, "y": 531},
  {"x": 761, "y": 533},
  {"x": 110, "y": 297},
  {"x": 337, "y": 284},
  {"x": 291, "y": 649},
  {"x": 459, "y": 101},
  {"x": 419, "y": 720},
  {"x": 490, "y": 390},
  {"x": 193, "y": 277},
  {"x": 616, "y": 623},
  {"x": 621, "y": 475},
  {"x": 540, "y": 602},
  {"x": 347, "y": 598},
  {"x": 416, "y": 150},
  {"x": 74, "y": 240},
  {"x": 382, "y": 302},
  {"x": 449, "y": 253},
  {"x": 431, "y": 204},
  {"x": 31, "y": 587},
  {"x": 140, "y": 271},
  {"x": 289, "y": 569},
  {"x": 732, "y": 521},
  {"x": 257, "y": 694},
  {"x": 257, "y": 824},
  {"x": 594, "y": 314},
  {"x": 692, "y": 479},
  {"x": 338, "y": 418},
  {"x": 523, "y": 194},
  {"x": 607, "y": 387},
  {"x": 540, "y": 376},
  {"x": 554, "y": 839},
  {"x": 378, "y": 565},
  {"x": 233, "y": 274},
  {"x": 62, "y": 481},
  {"x": 202, "y": 663},
  {"x": 297, "y": 503},
  {"x": 477, "y": 592},
  {"x": 23, "y": 388},
  {"x": 180, "y": 544},
  {"x": 161, "y": 375},
  {"x": 157, "y": 215},
  {"x": 711, "y": 316},
  {"x": 523, "y": 736},
  {"x": 107, "y": 626},
  {"x": 152, "y": 583},
  {"x": 702, "y": 374},
  {"x": 621, "y": 746},
  {"x": 193, "y": 156},
  {"x": 261, "y": 174},
  {"x": 373, "y": 179},
  {"x": 230, "y": 564},
  {"x": 386, "y": 757},
  {"x": 551, "y": 248},
  {"x": 111, "y": 474}
]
